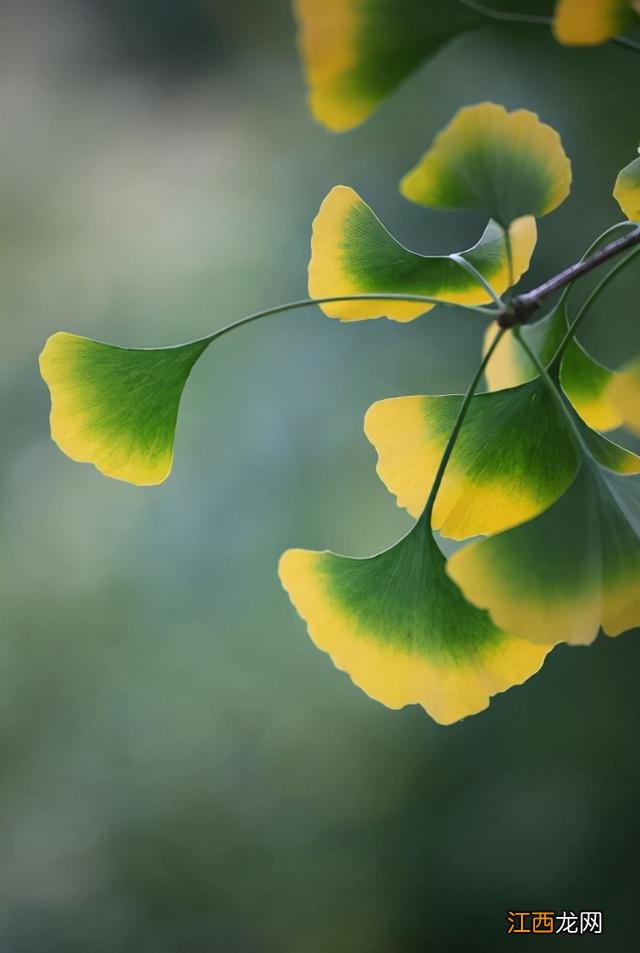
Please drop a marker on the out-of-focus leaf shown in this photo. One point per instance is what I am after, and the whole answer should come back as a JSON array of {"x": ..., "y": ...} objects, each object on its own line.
[
  {"x": 591, "y": 22},
  {"x": 356, "y": 52},
  {"x": 624, "y": 393},
  {"x": 627, "y": 190},
  {"x": 585, "y": 381},
  {"x": 507, "y": 164}
]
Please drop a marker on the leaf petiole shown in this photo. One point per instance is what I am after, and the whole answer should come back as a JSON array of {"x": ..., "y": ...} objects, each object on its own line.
[
  {"x": 506, "y": 17},
  {"x": 503, "y": 16},
  {"x": 553, "y": 389},
  {"x": 489, "y": 312},
  {"x": 473, "y": 271},
  {"x": 457, "y": 427}
]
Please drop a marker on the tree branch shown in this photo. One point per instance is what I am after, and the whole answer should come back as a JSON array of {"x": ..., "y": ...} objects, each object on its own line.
[{"x": 523, "y": 306}]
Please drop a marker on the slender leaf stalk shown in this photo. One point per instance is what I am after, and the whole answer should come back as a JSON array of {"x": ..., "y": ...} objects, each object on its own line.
[
  {"x": 462, "y": 413},
  {"x": 503, "y": 16},
  {"x": 473, "y": 271},
  {"x": 334, "y": 299},
  {"x": 554, "y": 390}
]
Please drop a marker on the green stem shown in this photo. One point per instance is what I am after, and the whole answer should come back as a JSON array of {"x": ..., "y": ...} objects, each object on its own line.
[
  {"x": 593, "y": 247},
  {"x": 480, "y": 278},
  {"x": 309, "y": 302},
  {"x": 510, "y": 264},
  {"x": 627, "y": 43},
  {"x": 590, "y": 301},
  {"x": 506, "y": 17},
  {"x": 462, "y": 413},
  {"x": 601, "y": 238},
  {"x": 503, "y": 16},
  {"x": 553, "y": 389}
]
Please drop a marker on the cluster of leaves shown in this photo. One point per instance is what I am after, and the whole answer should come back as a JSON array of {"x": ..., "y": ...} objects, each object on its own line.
[
  {"x": 356, "y": 52},
  {"x": 525, "y": 466}
]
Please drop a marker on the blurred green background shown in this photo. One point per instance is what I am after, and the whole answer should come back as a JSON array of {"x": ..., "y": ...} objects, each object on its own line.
[{"x": 182, "y": 772}]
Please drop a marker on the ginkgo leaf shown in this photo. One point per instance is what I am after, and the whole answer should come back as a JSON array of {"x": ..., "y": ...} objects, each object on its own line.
[
  {"x": 353, "y": 253},
  {"x": 585, "y": 381},
  {"x": 400, "y": 628},
  {"x": 356, "y": 52},
  {"x": 507, "y": 164},
  {"x": 514, "y": 456},
  {"x": 609, "y": 454},
  {"x": 627, "y": 190},
  {"x": 566, "y": 573},
  {"x": 510, "y": 364},
  {"x": 591, "y": 22},
  {"x": 116, "y": 407},
  {"x": 624, "y": 393},
  {"x": 587, "y": 384}
]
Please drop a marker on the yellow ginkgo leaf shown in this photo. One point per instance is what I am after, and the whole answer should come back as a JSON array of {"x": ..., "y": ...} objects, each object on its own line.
[
  {"x": 591, "y": 22},
  {"x": 401, "y": 629},
  {"x": 356, "y": 52},
  {"x": 568, "y": 572},
  {"x": 624, "y": 392},
  {"x": 627, "y": 190},
  {"x": 353, "y": 253},
  {"x": 116, "y": 407}
]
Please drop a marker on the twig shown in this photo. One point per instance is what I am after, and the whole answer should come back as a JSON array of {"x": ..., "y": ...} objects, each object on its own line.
[{"x": 523, "y": 306}]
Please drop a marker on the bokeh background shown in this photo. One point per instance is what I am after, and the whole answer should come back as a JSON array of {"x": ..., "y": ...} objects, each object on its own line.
[{"x": 181, "y": 771}]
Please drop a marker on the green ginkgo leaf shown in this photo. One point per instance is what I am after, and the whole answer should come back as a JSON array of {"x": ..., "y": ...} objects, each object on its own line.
[
  {"x": 585, "y": 381},
  {"x": 627, "y": 190},
  {"x": 116, "y": 407},
  {"x": 591, "y": 22},
  {"x": 507, "y": 164},
  {"x": 353, "y": 253},
  {"x": 356, "y": 52},
  {"x": 401, "y": 629},
  {"x": 568, "y": 572},
  {"x": 514, "y": 456}
]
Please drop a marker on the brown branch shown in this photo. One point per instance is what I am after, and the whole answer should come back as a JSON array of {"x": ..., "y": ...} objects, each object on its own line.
[{"x": 523, "y": 306}]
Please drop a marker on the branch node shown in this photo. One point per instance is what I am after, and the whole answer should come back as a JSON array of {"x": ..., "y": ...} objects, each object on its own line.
[{"x": 519, "y": 310}]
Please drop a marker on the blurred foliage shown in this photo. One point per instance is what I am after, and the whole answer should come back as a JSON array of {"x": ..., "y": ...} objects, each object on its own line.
[
  {"x": 182, "y": 771},
  {"x": 164, "y": 34}
]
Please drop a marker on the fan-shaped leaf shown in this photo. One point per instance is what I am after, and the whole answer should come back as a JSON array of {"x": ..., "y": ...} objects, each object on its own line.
[
  {"x": 353, "y": 253},
  {"x": 591, "y": 22},
  {"x": 584, "y": 380},
  {"x": 513, "y": 458},
  {"x": 356, "y": 52},
  {"x": 401, "y": 629},
  {"x": 624, "y": 393},
  {"x": 116, "y": 407},
  {"x": 565, "y": 573},
  {"x": 627, "y": 190},
  {"x": 587, "y": 384},
  {"x": 506, "y": 164}
]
